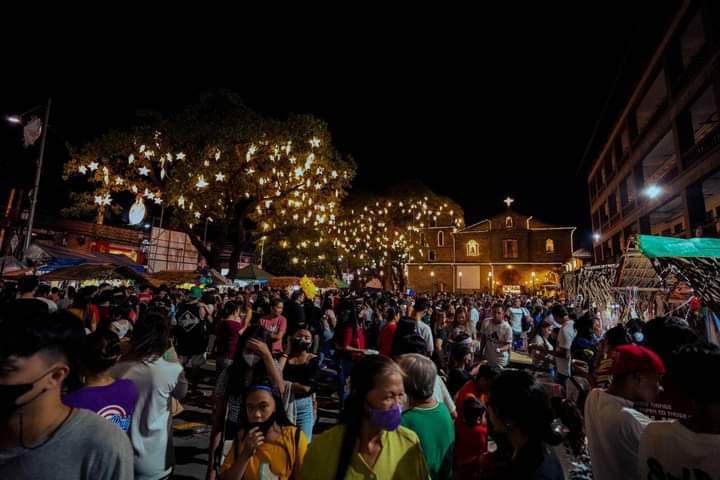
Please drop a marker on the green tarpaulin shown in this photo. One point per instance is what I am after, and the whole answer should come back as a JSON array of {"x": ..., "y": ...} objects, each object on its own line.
[{"x": 653, "y": 247}]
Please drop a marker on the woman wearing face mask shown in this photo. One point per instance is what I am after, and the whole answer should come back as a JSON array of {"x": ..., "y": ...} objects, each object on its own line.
[
  {"x": 253, "y": 364},
  {"x": 301, "y": 367},
  {"x": 369, "y": 441},
  {"x": 269, "y": 446}
]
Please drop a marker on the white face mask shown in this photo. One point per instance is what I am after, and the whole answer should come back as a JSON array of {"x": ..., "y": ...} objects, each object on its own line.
[{"x": 251, "y": 358}]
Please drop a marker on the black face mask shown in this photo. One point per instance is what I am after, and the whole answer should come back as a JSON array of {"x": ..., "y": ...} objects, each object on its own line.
[
  {"x": 263, "y": 426},
  {"x": 10, "y": 393},
  {"x": 300, "y": 345}
]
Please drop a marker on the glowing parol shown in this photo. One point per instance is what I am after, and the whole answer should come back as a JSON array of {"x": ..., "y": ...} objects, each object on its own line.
[{"x": 137, "y": 212}]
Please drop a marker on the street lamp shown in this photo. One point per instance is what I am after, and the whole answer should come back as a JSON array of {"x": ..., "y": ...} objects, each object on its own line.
[
  {"x": 432, "y": 276},
  {"x": 18, "y": 120},
  {"x": 652, "y": 191},
  {"x": 460, "y": 275},
  {"x": 596, "y": 237}
]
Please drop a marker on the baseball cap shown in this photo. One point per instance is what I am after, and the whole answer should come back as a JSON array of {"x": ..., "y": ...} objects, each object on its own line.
[{"x": 636, "y": 359}]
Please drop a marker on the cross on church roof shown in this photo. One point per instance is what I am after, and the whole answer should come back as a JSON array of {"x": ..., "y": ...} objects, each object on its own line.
[{"x": 508, "y": 201}]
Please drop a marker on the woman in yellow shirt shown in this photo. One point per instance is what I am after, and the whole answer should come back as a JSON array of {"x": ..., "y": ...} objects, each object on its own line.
[
  {"x": 270, "y": 446},
  {"x": 369, "y": 442}
]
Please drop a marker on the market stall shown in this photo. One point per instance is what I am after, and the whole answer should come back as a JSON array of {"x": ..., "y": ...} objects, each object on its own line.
[{"x": 94, "y": 274}]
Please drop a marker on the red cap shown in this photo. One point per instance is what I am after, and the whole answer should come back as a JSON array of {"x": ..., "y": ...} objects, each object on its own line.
[{"x": 636, "y": 359}]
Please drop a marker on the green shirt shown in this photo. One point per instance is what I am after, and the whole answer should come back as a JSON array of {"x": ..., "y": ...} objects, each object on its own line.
[
  {"x": 400, "y": 458},
  {"x": 436, "y": 431}
]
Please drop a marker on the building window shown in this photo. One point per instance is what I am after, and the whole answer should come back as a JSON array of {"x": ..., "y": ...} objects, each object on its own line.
[
  {"x": 422, "y": 239},
  {"x": 431, "y": 256},
  {"x": 549, "y": 246},
  {"x": 441, "y": 239},
  {"x": 472, "y": 248},
  {"x": 510, "y": 249},
  {"x": 508, "y": 222}
]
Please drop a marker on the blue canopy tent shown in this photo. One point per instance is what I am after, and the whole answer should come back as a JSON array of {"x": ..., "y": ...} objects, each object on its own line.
[{"x": 51, "y": 257}]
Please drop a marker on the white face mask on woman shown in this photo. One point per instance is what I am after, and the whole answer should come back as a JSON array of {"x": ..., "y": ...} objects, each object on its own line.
[{"x": 251, "y": 358}]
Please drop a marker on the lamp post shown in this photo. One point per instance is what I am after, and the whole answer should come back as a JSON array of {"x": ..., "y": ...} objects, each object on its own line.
[
  {"x": 18, "y": 120},
  {"x": 460, "y": 275},
  {"x": 432, "y": 277},
  {"x": 490, "y": 283}
]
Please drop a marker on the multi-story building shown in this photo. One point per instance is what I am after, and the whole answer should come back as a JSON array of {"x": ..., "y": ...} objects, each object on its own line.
[
  {"x": 510, "y": 252},
  {"x": 658, "y": 171}
]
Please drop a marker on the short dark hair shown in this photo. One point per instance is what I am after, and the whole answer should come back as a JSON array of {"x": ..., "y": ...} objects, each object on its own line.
[
  {"x": 559, "y": 311},
  {"x": 27, "y": 284},
  {"x": 99, "y": 351},
  {"x": 421, "y": 304},
  {"x": 56, "y": 336},
  {"x": 42, "y": 290},
  {"x": 691, "y": 364},
  {"x": 488, "y": 372},
  {"x": 473, "y": 409}
]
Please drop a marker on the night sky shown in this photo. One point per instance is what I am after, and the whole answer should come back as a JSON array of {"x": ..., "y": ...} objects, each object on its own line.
[{"x": 476, "y": 106}]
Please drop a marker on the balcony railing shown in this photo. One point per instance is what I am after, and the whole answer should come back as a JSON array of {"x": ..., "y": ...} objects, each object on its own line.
[{"x": 709, "y": 141}]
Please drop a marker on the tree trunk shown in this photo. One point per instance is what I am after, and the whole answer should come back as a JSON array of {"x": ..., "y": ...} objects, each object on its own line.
[{"x": 212, "y": 260}]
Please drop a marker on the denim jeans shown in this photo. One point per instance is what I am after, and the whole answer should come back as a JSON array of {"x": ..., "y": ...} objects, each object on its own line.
[{"x": 305, "y": 416}]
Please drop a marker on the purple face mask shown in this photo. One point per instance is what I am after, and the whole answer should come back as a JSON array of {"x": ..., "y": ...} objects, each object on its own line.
[{"x": 385, "y": 419}]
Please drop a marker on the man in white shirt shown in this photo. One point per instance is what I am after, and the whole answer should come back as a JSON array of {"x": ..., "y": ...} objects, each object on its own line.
[
  {"x": 613, "y": 427},
  {"x": 420, "y": 310},
  {"x": 474, "y": 316},
  {"x": 687, "y": 448},
  {"x": 496, "y": 336},
  {"x": 563, "y": 359}
]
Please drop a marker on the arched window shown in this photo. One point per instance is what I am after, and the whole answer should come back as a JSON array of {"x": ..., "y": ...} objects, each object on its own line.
[
  {"x": 508, "y": 222},
  {"x": 441, "y": 239},
  {"x": 472, "y": 248},
  {"x": 549, "y": 246}
]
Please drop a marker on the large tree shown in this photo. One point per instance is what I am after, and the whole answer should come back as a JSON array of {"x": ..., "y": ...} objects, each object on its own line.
[
  {"x": 380, "y": 234},
  {"x": 218, "y": 161}
]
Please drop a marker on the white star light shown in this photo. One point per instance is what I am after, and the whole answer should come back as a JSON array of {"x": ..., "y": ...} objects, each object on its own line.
[
  {"x": 314, "y": 142},
  {"x": 93, "y": 166},
  {"x": 106, "y": 199},
  {"x": 197, "y": 214},
  {"x": 98, "y": 199},
  {"x": 144, "y": 171},
  {"x": 148, "y": 194},
  {"x": 142, "y": 148},
  {"x": 201, "y": 183},
  {"x": 180, "y": 156},
  {"x": 82, "y": 169},
  {"x": 119, "y": 181},
  {"x": 131, "y": 159},
  {"x": 220, "y": 177},
  {"x": 158, "y": 200}
]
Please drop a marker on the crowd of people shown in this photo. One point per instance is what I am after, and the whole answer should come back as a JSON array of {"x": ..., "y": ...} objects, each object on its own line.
[{"x": 441, "y": 386}]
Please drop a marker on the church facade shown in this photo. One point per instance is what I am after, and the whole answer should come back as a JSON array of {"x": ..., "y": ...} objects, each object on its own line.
[{"x": 510, "y": 253}]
